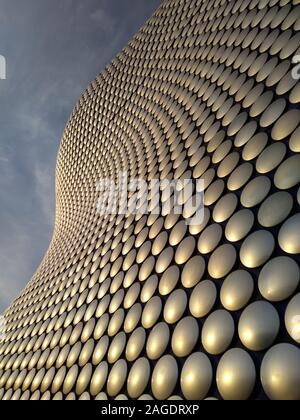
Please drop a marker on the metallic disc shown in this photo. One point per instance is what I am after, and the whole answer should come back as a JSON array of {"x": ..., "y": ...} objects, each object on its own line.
[
  {"x": 185, "y": 250},
  {"x": 270, "y": 158},
  {"x": 193, "y": 271},
  {"x": 209, "y": 239},
  {"x": 286, "y": 125},
  {"x": 185, "y": 337},
  {"x": 279, "y": 279},
  {"x": 151, "y": 312},
  {"x": 100, "y": 350},
  {"x": 280, "y": 372},
  {"x": 138, "y": 378},
  {"x": 84, "y": 379},
  {"x": 135, "y": 344},
  {"x": 225, "y": 208},
  {"x": 177, "y": 233},
  {"x": 164, "y": 377},
  {"x": 164, "y": 260},
  {"x": 203, "y": 299},
  {"x": 117, "y": 347},
  {"x": 288, "y": 173},
  {"x": 196, "y": 377},
  {"x": 257, "y": 249},
  {"x": 145, "y": 397},
  {"x": 169, "y": 280},
  {"x": 272, "y": 113},
  {"x": 295, "y": 141},
  {"x": 255, "y": 146},
  {"x": 99, "y": 378},
  {"x": 255, "y": 192},
  {"x": 259, "y": 326},
  {"x": 222, "y": 261},
  {"x": 117, "y": 378},
  {"x": 101, "y": 397},
  {"x": 158, "y": 341},
  {"x": 239, "y": 225},
  {"x": 133, "y": 318},
  {"x": 275, "y": 209},
  {"x": 149, "y": 289},
  {"x": 236, "y": 375},
  {"x": 289, "y": 238},
  {"x": 292, "y": 318},
  {"x": 175, "y": 306},
  {"x": 240, "y": 177},
  {"x": 237, "y": 290},
  {"x": 217, "y": 332}
]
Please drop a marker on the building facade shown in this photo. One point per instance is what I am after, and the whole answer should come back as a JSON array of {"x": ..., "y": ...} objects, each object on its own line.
[{"x": 151, "y": 303}]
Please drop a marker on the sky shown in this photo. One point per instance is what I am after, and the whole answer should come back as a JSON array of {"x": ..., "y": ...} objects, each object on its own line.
[{"x": 53, "y": 50}]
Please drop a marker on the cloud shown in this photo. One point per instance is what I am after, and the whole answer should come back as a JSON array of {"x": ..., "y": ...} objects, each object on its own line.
[{"x": 105, "y": 21}]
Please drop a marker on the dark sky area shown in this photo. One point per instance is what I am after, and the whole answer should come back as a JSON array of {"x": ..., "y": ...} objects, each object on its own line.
[{"x": 53, "y": 49}]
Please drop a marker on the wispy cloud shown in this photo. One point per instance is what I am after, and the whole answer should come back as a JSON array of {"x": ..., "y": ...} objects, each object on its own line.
[{"x": 106, "y": 22}]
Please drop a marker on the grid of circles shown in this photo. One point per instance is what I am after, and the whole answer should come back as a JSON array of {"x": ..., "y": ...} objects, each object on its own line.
[{"x": 145, "y": 306}]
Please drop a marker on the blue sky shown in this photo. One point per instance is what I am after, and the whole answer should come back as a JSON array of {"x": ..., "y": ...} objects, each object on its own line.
[{"x": 53, "y": 49}]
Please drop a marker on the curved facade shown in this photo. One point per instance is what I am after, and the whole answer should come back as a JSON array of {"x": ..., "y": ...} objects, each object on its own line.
[{"x": 147, "y": 306}]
